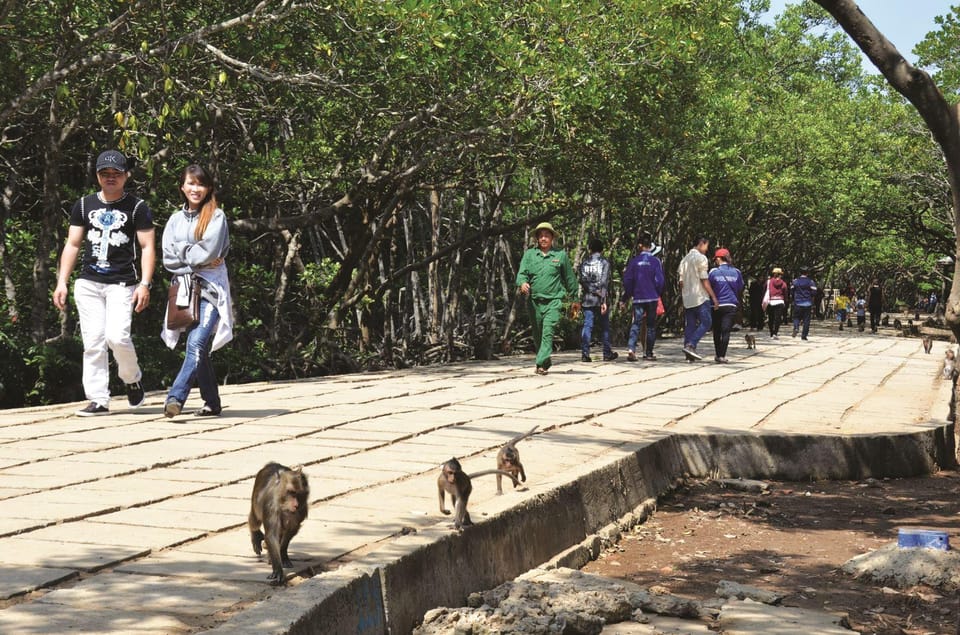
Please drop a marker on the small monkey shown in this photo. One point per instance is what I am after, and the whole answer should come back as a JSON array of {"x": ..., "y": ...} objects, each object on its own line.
[
  {"x": 454, "y": 481},
  {"x": 751, "y": 340},
  {"x": 949, "y": 364},
  {"x": 279, "y": 503},
  {"x": 927, "y": 344},
  {"x": 508, "y": 460}
]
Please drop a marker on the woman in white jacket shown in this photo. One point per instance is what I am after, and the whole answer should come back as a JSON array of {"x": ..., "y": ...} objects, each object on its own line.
[{"x": 196, "y": 241}]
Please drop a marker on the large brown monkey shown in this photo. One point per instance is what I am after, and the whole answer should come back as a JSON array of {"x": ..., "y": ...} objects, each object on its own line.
[{"x": 279, "y": 503}]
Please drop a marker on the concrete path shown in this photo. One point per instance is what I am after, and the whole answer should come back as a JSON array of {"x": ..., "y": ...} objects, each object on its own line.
[{"x": 133, "y": 523}]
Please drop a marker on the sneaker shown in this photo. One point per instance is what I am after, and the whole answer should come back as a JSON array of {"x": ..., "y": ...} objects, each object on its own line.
[
  {"x": 93, "y": 409},
  {"x": 135, "y": 394},
  {"x": 631, "y": 356},
  {"x": 649, "y": 357},
  {"x": 775, "y": 336},
  {"x": 172, "y": 408},
  {"x": 541, "y": 370},
  {"x": 207, "y": 411},
  {"x": 804, "y": 339},
  {"x": 691, "y": 353},
  {"x": 585, "y": 358},
  {"x": 611, "y": 356},
  {"x": 721, "y": 360}
]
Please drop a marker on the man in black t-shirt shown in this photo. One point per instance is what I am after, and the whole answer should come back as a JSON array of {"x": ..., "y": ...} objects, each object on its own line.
[{"x": 106, "y": 229}]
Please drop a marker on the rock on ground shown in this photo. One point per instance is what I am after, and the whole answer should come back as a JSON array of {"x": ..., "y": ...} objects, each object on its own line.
[
  {"x": 571, "y": 602},
  {"x": 902, "y": 568}
]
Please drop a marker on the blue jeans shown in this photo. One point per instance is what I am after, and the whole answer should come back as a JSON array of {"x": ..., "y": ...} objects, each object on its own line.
[
  {"x": 802, "y": 314},
  {"x": 696, "y": 322},
  {"x": 641, "y": 311},
  {"x": 196, "y": 366},
  {"x": 591, "y": 315}
]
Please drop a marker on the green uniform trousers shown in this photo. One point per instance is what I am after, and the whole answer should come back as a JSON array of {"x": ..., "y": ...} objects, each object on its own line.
[{"x": 544, "y": 317}]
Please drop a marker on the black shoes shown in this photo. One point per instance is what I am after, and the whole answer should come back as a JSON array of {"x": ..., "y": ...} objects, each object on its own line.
[
  {"x": 93, "y": 409},
  {"x": 135, "y": 394},
  {"x": 207, "y": 411},
  {"x": 612, "y": 356},
  {"x": 586, "y": 358}
]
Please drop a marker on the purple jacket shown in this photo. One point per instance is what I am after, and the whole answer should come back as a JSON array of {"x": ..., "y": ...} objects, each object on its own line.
[{"x": 643, "y": 279}]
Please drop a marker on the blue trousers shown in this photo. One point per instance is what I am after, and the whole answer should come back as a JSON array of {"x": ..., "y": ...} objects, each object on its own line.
[
  {"x": 591, "y": 316},
  {"x": 196, "y": 368},
  {"x": 696, "y": 322},
  {"x": 643, "y": 311}
]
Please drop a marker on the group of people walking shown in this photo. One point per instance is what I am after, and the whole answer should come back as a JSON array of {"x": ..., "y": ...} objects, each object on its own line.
[
  {"x": 849, "y": 303},
  {"x": 110, "y": 231},
  {"x": 711, "y": 298}
]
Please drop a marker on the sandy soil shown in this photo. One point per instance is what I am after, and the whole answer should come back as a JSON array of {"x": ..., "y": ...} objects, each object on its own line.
[{"x": 793, "y": 539}]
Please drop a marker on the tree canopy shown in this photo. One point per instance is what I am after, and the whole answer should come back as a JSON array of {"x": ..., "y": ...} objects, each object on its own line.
[{"x": 382, "y": 163}]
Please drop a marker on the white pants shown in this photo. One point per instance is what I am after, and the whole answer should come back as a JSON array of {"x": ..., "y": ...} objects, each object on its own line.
[{"x": 105, "y": 314}]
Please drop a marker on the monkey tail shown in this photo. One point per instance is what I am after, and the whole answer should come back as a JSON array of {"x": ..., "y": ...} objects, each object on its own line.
[
  {"x": 501, "y": 472},
  {"x": 521, "y": 437}
]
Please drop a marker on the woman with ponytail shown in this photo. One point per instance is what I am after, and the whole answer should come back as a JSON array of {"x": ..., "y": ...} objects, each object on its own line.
[{"x": 196, "y": 241}]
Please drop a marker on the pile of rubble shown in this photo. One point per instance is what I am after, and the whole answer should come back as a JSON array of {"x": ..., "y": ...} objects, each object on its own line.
[{"x": 571, "y": 602}]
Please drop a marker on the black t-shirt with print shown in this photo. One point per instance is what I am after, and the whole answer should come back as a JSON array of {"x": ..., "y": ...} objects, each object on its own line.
[{"x": 110, "y": 244}]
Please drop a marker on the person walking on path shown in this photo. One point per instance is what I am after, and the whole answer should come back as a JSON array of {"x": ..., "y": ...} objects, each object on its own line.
[
  {"x": 776, "y": 297},
  {"x": 643, "y": 283},
  {"x": 699, "y": 300},
  {"x": 195, "y": 241},
  {"x": 106, "y": 228},
  {"x": 861, "y": 311},
  {"x": 803, "y": 290},
  {"x": 875, "y": 304},
  {"x": 842, "y": 303},
  {"x": 727, "y": 283},
  {"x": 545, "y": 277},
  {"x": 594, "y": 275}
]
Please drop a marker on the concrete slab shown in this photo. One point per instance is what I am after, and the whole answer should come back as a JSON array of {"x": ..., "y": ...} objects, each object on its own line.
[
  {"x": 16, "y": 581},
  {"x": 186, "y": 596},
  {"x": 746, "y": 617}
]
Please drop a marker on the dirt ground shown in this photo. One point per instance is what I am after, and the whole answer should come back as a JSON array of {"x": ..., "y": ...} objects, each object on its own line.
[{"x": 793, "y": 540}]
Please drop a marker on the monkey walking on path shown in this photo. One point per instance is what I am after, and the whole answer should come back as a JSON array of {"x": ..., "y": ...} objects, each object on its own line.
[
  {"x": 454, "y": 481},
  {"x": 279, "y": 503},
  {"x": 927, "y": 344},
  {"x": 508, "y": 460},
  {"x": 751, "y": 340}
]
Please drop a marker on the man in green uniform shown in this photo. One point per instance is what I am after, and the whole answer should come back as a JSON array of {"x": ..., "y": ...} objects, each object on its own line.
[{"x": 546, "y": 277}]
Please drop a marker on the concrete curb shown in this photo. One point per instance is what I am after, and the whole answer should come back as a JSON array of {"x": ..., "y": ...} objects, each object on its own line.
[{"x": 389, "y": 590}]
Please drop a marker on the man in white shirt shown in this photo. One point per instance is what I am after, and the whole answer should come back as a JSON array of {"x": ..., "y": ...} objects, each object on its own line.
[{"x": 698, "y": 297}]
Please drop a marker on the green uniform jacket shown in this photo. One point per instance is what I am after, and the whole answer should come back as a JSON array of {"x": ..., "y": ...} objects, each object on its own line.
[{"x": 550, "y": 275}]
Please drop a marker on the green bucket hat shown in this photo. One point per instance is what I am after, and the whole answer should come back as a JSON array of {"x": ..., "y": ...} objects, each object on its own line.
[{"x": 546, "y": 226}]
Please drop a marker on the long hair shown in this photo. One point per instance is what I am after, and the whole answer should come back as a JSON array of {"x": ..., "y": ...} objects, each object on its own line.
[{"x": 209, "y": 203}]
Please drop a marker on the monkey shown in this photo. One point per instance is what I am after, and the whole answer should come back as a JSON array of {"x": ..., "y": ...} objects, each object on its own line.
[
  {"x": 454, "y": 481},
  {"x": 885, "y": 320},
  {"x": 927, "y": 344},
  {"x": 897, "y": 324},
  {"x": 508, "y": 460},
  {"x": 949, "y": 364},
  {"x": 751, "y": 340},
  {"x": 279, "y": 503}
]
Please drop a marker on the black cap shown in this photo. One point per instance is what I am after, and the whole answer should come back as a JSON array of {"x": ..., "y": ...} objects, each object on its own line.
[{"x": 111, "y": 160}]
